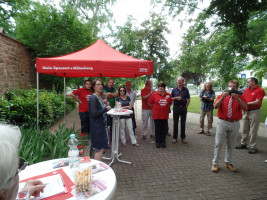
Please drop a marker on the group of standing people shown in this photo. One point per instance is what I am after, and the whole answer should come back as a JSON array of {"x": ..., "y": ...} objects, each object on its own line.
[
  {"x": 230, "y": 106},
  {"x": 156, "y": 107},
  {"x": 95, "y": 100}
]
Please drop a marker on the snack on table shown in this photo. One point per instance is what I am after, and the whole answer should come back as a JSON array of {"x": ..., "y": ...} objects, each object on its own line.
[{"x": 83, "y": 180}]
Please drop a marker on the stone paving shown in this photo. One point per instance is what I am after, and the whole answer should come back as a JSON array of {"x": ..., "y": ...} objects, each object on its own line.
[{"x": 182, "y": 171}]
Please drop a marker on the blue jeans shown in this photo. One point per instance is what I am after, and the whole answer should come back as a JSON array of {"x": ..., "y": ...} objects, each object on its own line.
[{"x": 85, "y": 123}]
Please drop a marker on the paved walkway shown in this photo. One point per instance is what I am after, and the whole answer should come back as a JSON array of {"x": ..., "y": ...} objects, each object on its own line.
[{"x": 183, "y": 171}]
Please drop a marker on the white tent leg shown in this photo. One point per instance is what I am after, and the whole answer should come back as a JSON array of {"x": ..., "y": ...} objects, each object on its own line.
[
  {"x": 37, "y": 80},
  {"x": 64, "y": 99},
  {"x": 135, "y": 104}
]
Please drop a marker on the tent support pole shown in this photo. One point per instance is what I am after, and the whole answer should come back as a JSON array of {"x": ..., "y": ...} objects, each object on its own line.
[
  {"x": 135, "y": 105},
  {"x": 64, "y": 99},
  {"x": 37, "y": 80}
]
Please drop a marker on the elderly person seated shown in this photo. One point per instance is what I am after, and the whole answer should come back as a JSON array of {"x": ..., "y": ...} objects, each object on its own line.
[{"x": 10, "y": 169}]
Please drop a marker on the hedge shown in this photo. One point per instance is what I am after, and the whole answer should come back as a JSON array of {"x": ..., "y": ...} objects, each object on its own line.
[{"x": 20, "y": 107}]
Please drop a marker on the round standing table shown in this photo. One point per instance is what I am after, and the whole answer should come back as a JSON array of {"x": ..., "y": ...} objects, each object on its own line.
[{"x": 115, "y": 134}]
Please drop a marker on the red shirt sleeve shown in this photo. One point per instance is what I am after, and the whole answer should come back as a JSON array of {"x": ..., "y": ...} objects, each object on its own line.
[
  {"x": 218, "y": 98},
  {"x": 151, "y": 99},
  {"x": 77, "y": 92},
  {"x": 260, "y": 95}
]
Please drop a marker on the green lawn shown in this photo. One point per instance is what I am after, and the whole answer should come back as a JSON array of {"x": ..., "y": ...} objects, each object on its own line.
[{"x": 194, "y": 107}]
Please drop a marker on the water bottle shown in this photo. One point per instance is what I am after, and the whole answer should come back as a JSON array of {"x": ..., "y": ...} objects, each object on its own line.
[
  {"x": 73, "y": 153},
  {"x": 119, "y": 106}
]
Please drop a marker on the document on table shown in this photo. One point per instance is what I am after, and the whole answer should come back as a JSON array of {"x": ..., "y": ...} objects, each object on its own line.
[{"x": 54, "y": 185}]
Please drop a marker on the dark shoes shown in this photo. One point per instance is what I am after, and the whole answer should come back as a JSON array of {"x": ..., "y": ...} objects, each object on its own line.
[
  {"x": 163, "y": 145},
  {"x": 253, "y": 151},
  {"x": 241, "y": 146}
]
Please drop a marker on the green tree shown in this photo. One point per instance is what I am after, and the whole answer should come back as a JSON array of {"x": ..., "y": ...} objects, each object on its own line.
[
  {"x": 50, "y": 32},
  {"x": 95, "y": 12},
  {"x": 194, "y": 56},
  {"x": 9, "y": 10},
  {"x": 236, "y": 13},
  {"x": 154, "y": 42},
  {"x": 127, "y": 39},
  {"x": 256, "y": 44}
]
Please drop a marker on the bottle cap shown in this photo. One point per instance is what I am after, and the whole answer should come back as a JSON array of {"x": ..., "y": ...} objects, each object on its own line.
[{"x": 72, "y": 136}]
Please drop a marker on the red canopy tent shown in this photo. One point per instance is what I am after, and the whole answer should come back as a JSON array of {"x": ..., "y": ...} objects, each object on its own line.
[{"x": 97, "y": 60}]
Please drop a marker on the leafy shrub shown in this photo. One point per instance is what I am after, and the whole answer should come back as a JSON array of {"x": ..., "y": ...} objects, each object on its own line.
[
  {"x": 37, "y": 146},
  {"x": 20, "y": 107},
  {"x": 265, "y": 89}
]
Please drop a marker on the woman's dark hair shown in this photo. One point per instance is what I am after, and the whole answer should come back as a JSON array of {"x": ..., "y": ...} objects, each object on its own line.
[
  {"x": 162, "y": 84},
  {"x": 123, "y": 87},
  {"x": 94, "y": 82}
]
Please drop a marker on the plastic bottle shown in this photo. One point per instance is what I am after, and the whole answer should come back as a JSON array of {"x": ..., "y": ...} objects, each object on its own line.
[
  {"x": 119, "y": 106},
  {"x": 73, "y": 154}
]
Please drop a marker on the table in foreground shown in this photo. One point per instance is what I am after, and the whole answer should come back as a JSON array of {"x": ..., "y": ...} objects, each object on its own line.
[
  {"x": 115, "y": 134},
  {"x": 47, "y": 166}
]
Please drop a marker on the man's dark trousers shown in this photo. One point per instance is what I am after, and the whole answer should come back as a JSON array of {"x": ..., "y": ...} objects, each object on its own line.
[
  {"x": 85, "y": 123},
  {"x": 177, "y": 112}
]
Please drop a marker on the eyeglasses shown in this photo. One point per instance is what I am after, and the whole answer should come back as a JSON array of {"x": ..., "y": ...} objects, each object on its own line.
[
  {"x": 122, "y": 90},
  {"x": 99, "y": 84},
  {"x": 22, "y": 165}
]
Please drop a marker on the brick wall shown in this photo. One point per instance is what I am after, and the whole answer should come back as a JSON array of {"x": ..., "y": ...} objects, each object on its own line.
[{"x": 17, "y": 69}]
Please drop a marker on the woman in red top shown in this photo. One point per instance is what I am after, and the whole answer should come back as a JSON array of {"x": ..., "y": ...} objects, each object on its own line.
[{"x": 161, "y": 102}]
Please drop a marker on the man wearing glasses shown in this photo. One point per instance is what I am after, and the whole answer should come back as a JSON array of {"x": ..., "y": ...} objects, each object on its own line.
[{"x": 11, "y": 165}]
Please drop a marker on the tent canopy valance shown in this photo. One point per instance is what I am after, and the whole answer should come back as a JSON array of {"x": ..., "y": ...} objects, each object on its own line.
[{"x": 97, "y": 60}]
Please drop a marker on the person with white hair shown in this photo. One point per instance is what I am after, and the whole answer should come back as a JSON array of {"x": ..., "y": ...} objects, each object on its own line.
[{"x": 10, "y": 169}]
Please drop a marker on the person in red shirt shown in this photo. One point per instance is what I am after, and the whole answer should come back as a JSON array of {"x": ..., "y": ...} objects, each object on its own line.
[
  {"x": 161, "y": 102},
  {"x": 147, "y": 110},
  {"x": 82, "y": 95},
  {"x": 251, "y": 122},
  {"x": 229, "y": 113}
]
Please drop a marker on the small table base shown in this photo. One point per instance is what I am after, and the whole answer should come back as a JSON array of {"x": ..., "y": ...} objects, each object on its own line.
[{"x": 115, "y": 141}]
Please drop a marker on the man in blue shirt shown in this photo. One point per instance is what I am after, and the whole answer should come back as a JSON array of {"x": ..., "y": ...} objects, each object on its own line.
[{"x": 181, "y": 100}]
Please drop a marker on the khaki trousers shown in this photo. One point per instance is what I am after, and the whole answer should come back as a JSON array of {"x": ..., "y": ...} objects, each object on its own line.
[
  {"x": 251, "y": 123},
  {"x": 225, "y": 131},
  {"x": 146, "y": 114},
  {"x": 209, "y": 118}
]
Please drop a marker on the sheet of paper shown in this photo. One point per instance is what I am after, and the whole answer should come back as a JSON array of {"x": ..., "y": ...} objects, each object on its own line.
[{"x": 54, "y": 185}]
